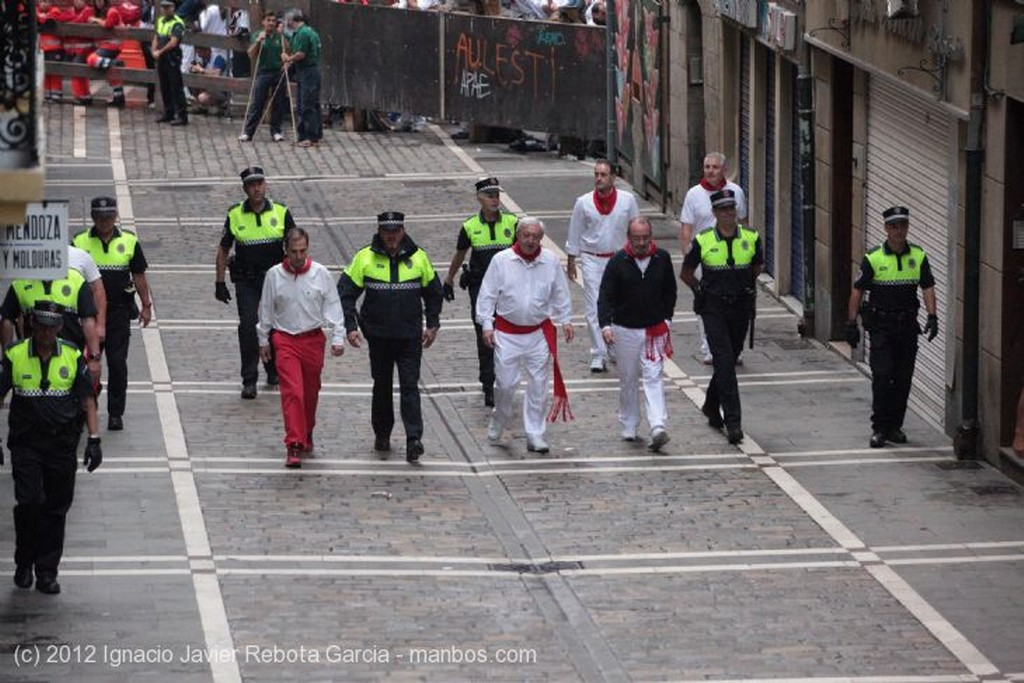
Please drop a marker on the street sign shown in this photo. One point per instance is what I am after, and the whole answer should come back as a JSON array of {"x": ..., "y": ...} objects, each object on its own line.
[{"x": 38, "y": 248}]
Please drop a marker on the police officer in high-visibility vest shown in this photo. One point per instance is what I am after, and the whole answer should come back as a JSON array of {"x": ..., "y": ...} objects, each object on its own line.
[
  {"x": 891, "y": 274},
  {"x": 118, "y": 255},
  {"x": 257, "y": 228},
  {"x": 75, "y": 297},
  {"x": 166, "y": 47},
  {"x": 401, "y": 290},
  {"x": 731, "y": 258},
  {"x": 487, "y": 232},
  {"x": 53, "y": 396}
]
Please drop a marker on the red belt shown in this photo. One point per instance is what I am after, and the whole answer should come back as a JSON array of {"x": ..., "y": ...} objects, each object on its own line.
[
  {"x": 503, "y": 325},
  {"x": 604, "y": 254}
]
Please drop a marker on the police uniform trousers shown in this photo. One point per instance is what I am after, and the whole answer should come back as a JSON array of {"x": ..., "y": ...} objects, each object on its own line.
[
  {"x": 893, "y": 354},
  {"x": 115, "y": 346},
  {"x": 300, "y": 361},
  {"x": 592, "y": 266},
  {"x": 726, "y": 327},
  {"x": 630, "y": 355},
  {"x": 385, "y": 355},
  {"x": 172, "y": 89},
  {"x": 247, "y": 299},
  {"x": 44, "y": 486},
  {"x": 512, "y": 352},
  {"x": 484, "y": 353}
]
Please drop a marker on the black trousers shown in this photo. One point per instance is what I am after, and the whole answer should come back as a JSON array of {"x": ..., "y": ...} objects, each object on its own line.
[
  {"x": 385, "y": 355},
  {"x": 484, "y": 353},
  {"x": 44, "y": 486},
  {"x": 247, "y": 300},
  {"x": 893, "y": 354},
  {"x": 726, "y": 328},
  {"x": 172, "y": 90},
  {"x": 119, "y": 332},
  {"x": 268, "y": 84}
]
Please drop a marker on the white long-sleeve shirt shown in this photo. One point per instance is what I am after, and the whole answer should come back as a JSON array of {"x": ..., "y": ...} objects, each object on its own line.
[
  {"x": 589, "y": 231},
  {"x": 524, "y": 292},
  {"x": 300, "y": 303}
]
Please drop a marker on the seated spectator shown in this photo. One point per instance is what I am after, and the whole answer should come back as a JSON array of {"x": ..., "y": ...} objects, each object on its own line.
[
  {"x": 206, "y": 63},
  {"x": 239, "y": 27}
]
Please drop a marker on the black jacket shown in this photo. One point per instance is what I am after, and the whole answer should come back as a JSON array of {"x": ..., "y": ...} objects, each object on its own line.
[{"x": 629, "y": 298}]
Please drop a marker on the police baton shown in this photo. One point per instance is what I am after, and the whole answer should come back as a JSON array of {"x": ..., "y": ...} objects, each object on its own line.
[{"x": 753, "y": 317}]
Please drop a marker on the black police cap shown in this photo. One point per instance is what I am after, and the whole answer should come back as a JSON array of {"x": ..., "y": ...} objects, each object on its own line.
[
  {"x": 391, "y": 220},
  {"x": 723, "y": 199},
  {"x": 896, "y": 213},
  {"x": 104, "y": 205},
  {"x": 252, "y": 174},
  {"x": 48, "y": 313},
  {"x": 488, "y": 185}
]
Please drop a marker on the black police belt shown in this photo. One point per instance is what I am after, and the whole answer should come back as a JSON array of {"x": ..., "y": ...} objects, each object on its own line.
[
  {"x": 891, "y": 316},
  {"x": 728, "y": 299}
]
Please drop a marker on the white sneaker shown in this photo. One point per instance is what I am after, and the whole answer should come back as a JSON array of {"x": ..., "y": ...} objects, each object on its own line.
[
  {"x": 243, "y": 138},
  {"x": 494, "y": 430},
  {"x": 629, "y": 435},
  {"x": 278, "y": 137},
  {"x": 597, "y": 365},
  {"x": 659, "y": 437},
  {"x": 537, "y": 444}
]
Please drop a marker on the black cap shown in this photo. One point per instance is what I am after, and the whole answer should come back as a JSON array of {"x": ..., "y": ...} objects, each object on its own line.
[
  {"x": 723, "y": 199},
  {"x": 165, "y": 3},
  {"x": 48, "y": 313},
  {"x": 252, "y": 174},
  {"x": 488, "y": 185},
  {"x": 391, "y": 220},
  {"x": 104, "y": 205},
  {"x": 896, "y": 213}
]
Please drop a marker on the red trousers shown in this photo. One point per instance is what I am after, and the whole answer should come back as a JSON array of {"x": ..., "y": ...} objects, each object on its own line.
[{"x": 299, "y": 359}]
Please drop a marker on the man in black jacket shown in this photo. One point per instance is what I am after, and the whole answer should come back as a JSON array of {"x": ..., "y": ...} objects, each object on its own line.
[{"x": 634, "y": 309}]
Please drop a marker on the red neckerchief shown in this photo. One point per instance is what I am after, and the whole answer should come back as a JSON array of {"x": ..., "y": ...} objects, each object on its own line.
[
  {"x": 529, "y": 259},
  {"x": 300, "y": 271},
  {"x": 632, "y": 254},
  {"x": 712, "y": 188},
  {"x": 606, "y": 203}
]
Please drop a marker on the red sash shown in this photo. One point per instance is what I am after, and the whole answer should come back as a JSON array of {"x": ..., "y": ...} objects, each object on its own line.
[{"x": 560, "y": 405}]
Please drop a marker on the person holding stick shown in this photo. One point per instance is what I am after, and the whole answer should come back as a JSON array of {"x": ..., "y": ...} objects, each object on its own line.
[
  {"x": 265, "y": 50},
  {"x": 305, "y": 58}
]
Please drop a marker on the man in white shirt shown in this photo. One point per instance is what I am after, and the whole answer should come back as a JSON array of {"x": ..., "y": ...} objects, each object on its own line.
[
  {"x": 697, "y": 215},
  {"x": 299, "y": 298},
  {"x": 597, "y": 230},
  {"x": 80, "y": 260},
  {"x": 523, "y": 296}
]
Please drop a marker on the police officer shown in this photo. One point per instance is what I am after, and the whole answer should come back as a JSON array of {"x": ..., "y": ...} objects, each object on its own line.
[
  {"x": 166, "y": 47},
  {"x": 122, "y": 264},
  {"x": 52, "y": 394},
  {"x": 891, "y": 274},
  {"x": 487, "y": 232},
  {"x": 256, "y": 227},
  {"x": 731, "y": 258},
  {"x": 401, "y": 289}
]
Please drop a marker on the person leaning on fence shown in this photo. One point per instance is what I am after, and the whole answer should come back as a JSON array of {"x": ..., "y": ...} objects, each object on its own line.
[
  {"x": 111, "y": 17},
  {"x": 169, "y": 31},
  {"x": 265, "y": 50},
  {"x": 78, "y": 48},
  {"x": 53, "y": 49},
  {"x": 305, "y": 61}
]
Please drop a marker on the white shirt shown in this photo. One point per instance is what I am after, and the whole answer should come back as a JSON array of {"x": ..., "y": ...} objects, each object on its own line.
[
  {"x": 82, "y": 261},
  {"x": 524, "y": 292},
  {"x": 597, "y": 234},
  {"x": 697, "y": 206},
  {"x": 300, "y": 303},
  {"x": 210, "y": 21}
]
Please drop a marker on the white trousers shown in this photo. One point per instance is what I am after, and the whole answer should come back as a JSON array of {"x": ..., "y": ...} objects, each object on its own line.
[
  {"x": 511, "y": 353},
  {"x": 592, "y": 268},
  {"x": 633, "y": 366}
]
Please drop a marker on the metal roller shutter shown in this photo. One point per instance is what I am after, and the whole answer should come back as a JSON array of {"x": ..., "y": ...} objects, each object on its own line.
[
  {"x": 769, "y": 167},
  {"x": 910, "y": 163},
  {"x": 796, "y": 254},
  {"x": 744, "y": 160}
]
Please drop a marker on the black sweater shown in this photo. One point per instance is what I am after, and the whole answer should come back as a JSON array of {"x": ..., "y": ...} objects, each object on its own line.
[{"x": 633, "y": 299}]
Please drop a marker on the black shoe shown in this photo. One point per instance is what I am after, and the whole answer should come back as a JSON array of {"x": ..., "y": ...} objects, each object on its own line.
[
  {"x": 735, "y": 435},
  {"x": 272, "y": 379},
  {"x": 83, "y": 101},
  {"x": 117, "y": 102},
  {"x": 48, "y": 585},
  {"x": 877, "y": 440},
  {"x": 115, "y": 423},
  {"x": 413, "y": 450},
  {"x": 896, "y": 435},
  {"x": 489, "y": 396},
  {"x": 713, "y": 415},
  {"x": 23, "y": 576},
  {"x": 179, "y": 122},
  {"x": 381, "y": 444},
  {"x": 248, "y": 391},
  {"x": 165, "y": 119}
]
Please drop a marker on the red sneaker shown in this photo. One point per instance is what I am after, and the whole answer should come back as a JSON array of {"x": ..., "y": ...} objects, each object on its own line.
[{"x": 294, "y": 458}]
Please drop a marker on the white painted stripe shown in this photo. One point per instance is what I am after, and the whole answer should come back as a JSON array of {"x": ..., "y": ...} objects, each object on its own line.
[
  {"x": 106, "y": 471},
  {"x": 863, "y": 451},
  {"x": 700, "y": 554},
  {"x": 438, "y": 573},
  {"x": 699, "y": 568},
  {"x": 943, "y": 630},
  {"x": 468, "y": 465},
  {"x": 212, "y": 613},
  {"x": 822, "y": 517},
  {"x": 795, "y": 373},
  {"x": 383, "y": 559},
  {"x": 934, "y": 678},
  {"x": 870, "y": 461},
  {"x": 947, "y": 546},
  {"x": 125, "y": 572},
  {"x": 122, "y": 558},
  {"x": 416, "y": 471},
  {"x": 954, "y": 560},
  {"x": 469, "y": 161},
  {"x": 78, "y": 118}
]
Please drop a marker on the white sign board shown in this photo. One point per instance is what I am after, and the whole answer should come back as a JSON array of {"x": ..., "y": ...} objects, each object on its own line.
[{"x": 37, "y": 249}]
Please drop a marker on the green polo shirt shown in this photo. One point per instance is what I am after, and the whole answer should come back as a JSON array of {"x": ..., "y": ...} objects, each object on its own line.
[
  {"x": 307, "y": 41},
  {"x": 270, "y": 53}
]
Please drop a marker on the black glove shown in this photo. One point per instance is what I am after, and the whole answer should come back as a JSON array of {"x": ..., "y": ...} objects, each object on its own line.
[
  {"x": 449, "y": 292},
  {"x": 852, "y": 334},
  {"x": 222, "y": 292},
  {"x": 93, "y": 454},
  {"x": 931, "y": 328},
  {"x": 1, "y": 455},
  {"x": 699, "y": 298}
]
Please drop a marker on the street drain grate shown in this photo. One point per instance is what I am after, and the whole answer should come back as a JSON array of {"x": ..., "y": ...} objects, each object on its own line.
[
  {"x": 530, "y": 568},
  {"x": 959, "y": 465},
  {"x": 996, "y": 490}
]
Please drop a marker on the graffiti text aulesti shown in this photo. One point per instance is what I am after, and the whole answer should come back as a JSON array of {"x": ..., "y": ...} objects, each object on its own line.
[{"x": 503, "y": 66}]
